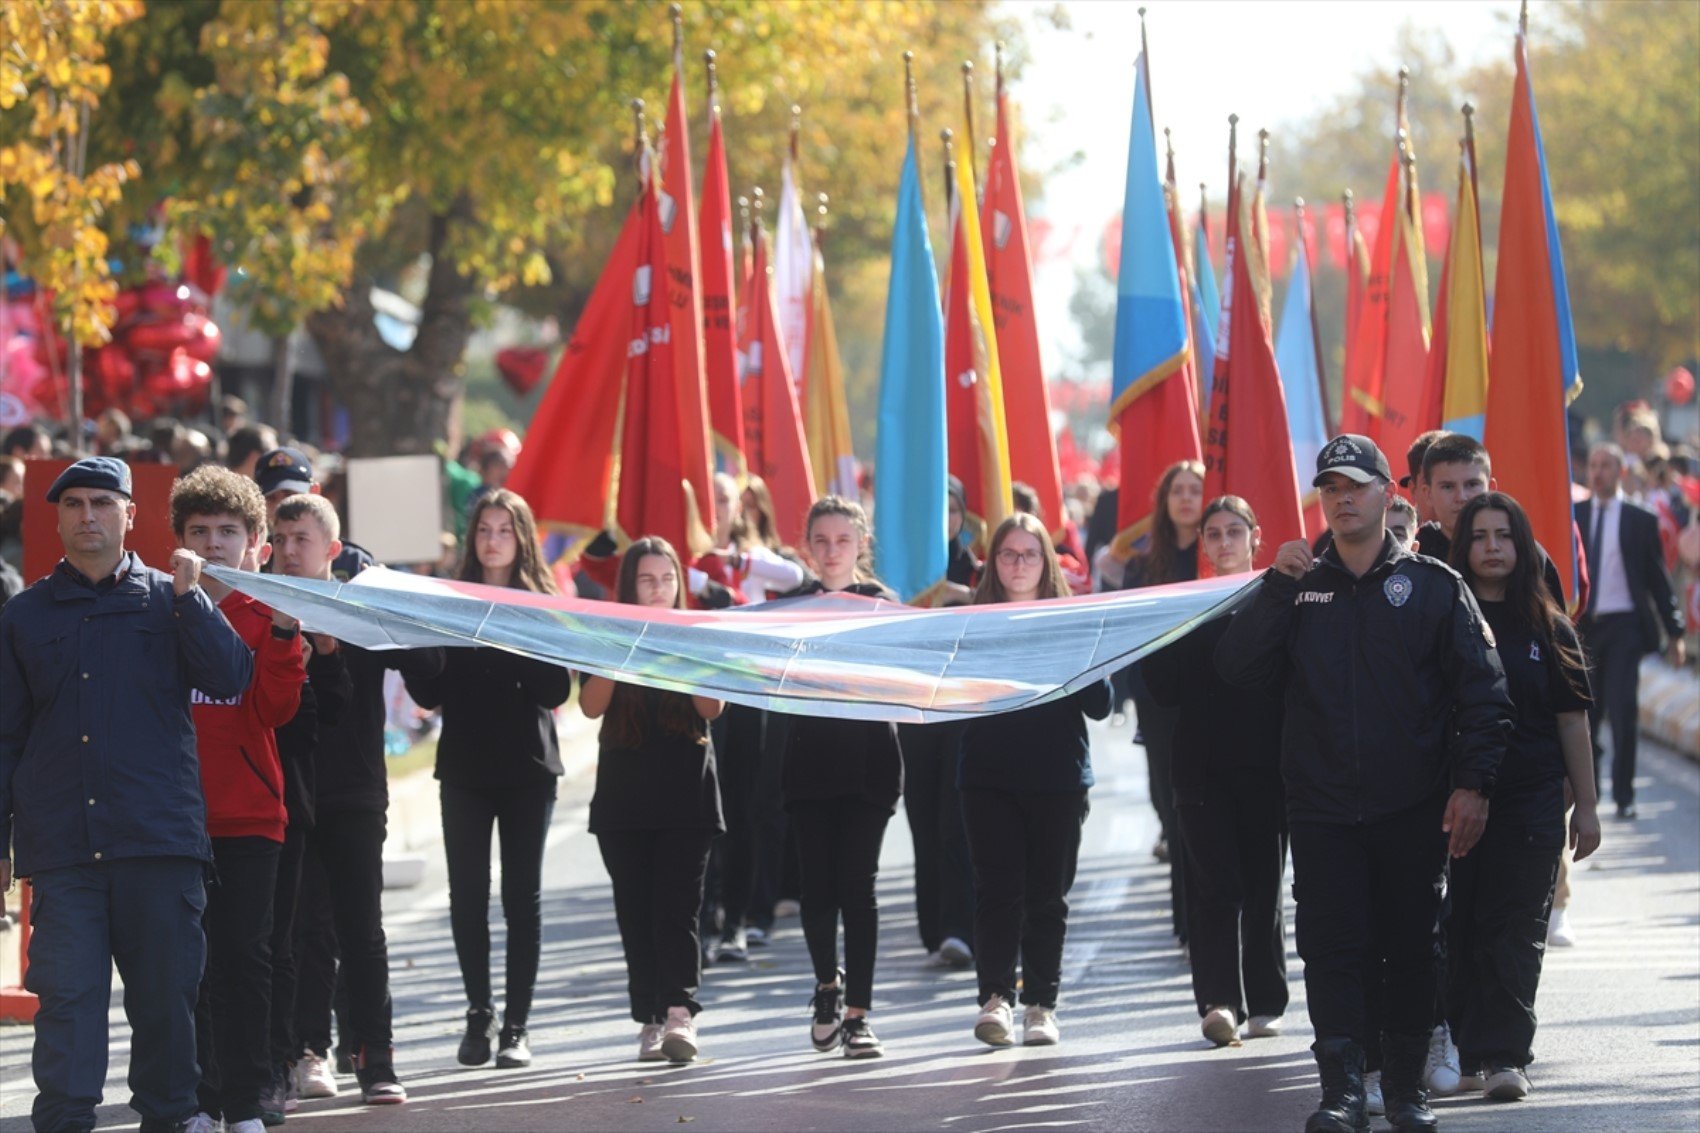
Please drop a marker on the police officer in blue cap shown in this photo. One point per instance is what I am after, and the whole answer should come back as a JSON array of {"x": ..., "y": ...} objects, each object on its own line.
[{"x": 100, "y": 799}]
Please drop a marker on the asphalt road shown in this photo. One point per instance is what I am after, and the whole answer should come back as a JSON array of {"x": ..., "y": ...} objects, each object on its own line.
[{"x": 1618, "y": 1048}]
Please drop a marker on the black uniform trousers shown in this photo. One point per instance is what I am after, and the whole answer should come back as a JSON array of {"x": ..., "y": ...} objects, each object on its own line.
[
  {"x": 944, "y": 876},
  {"x": 1614, "y": 646}
]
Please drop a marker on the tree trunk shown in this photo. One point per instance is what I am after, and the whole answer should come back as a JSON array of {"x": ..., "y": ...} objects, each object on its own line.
[{"x": 398, "y": 401}]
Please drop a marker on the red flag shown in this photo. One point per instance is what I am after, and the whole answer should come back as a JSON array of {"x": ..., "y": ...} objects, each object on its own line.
[
  {"x": 1534, "y": 365},
  {"x": 773, "y": 421},
  {"x": 1405, "y": 371},
  {"x": 1249, "y": 451},
  {"x": 719, "y": 327},
  {"x": 565, "y": 471},
  {"x": 679, "y": 224},
  {"x": 1357, "y": 285},
  {"x": 1360, "y": 403},
  {"x": 1033, "y": 457}
]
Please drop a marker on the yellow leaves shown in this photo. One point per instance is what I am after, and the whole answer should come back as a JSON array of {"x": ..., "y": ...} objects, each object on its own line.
[{"x": 536, "y": 272}]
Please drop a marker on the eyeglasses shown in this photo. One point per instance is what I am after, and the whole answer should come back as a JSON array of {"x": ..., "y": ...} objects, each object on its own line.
[{"x": 1011, "y": 558}]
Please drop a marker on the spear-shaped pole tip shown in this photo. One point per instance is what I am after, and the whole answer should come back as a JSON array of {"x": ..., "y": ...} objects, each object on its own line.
[
  {"x": 913, "y": 102},
  {"x": 1523, "y": 19},
  {"x": 677, "y": 13},
  {"x": 997, "y": 56},
  {"x": 1262, "y": 154}
]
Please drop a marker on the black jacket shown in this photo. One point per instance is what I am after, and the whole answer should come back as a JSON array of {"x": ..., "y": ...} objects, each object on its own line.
[
  {"x": 1220, "y": 730},
  {"x": 1391, "y": 684},
  {"x": 349, "y": 760},
  {"x": 498, "y": 718},
  {"x": 830, "y": 758},
  {"x": 1650, "y": 590},
  {"x": 1039, "y": 749},
  {"x": 1433, "y": 542},
  {"x": 324, "y": 698}
]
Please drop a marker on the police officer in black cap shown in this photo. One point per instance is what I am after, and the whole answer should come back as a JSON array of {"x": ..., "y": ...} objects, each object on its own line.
[
  {"x": 1396, "y": 718},
  {"x": 100, "y": 799}
]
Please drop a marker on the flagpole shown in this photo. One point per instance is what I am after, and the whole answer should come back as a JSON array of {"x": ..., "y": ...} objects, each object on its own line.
[
  {"x": 1145, "y": 53},
  {"x": 1470, "y": 144},
  {"x": 997, "y": 55},
  {"x": 946, "y": 136},
  {"x": 713, "y": 83},
  {"x": 913, "y": 105},
  {"x": 796, "y": 132},
  {"x": 641, "y": 130},
  {"x": 1315, "y": 331},
  {"x": 677, "y": 12},
  {"x": 968, "y": 121},
  {"x": 1233, "y": 156},
  {"x": 758, "y": 201},
  {"x": 820, "y": 218},
  {"x": 1404, "y": 91}
]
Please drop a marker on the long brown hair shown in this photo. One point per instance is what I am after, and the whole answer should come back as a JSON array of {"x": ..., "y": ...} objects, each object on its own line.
[
  {"x": 633, "y": 715},
  {"x": 1052, "y": 584},
  {"x": 529, "y": 571},
  {"x": 1526, "y": 595},
  {"x": 758, "y": 529},
  {"x": 1164, "y": 550}
]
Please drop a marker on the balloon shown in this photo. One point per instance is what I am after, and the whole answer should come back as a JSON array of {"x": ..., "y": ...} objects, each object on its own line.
[{"x": 1679, "y": 386}]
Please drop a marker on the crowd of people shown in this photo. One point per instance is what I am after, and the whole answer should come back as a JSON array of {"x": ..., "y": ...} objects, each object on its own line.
[{"x": 1403, "y": 714}]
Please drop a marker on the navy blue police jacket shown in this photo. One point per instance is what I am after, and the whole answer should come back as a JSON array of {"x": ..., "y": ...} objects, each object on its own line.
[
  {"x": 97, "y": 747},
  {"x": 1391, "y": 687}
]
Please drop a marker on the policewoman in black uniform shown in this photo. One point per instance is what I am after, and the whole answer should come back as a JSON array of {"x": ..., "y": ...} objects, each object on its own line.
[{"x": 1396, "y": 712}]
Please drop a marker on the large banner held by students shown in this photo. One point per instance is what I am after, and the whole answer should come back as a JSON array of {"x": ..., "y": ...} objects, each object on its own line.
[{"x": 830, "y": 654}]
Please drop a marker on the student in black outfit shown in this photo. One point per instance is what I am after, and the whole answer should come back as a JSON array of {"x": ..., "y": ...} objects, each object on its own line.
[
  {"x": 498, "y": 760},
  {"x": 944, "y": 879},
  {"x": 1172, "y": 557},
  {"x": 1229, "y": 806},
  {"x": 841, "y": 780},
  {"x": 1024, "y": 777},
  {"x": 655, "y": 814},
  {"x": 1502, "y": 891}
]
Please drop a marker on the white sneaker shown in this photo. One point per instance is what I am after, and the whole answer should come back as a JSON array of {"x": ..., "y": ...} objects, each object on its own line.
[
  {"x": 1559, "y": 934},
  {"x": 955, "y": 952},
  {"x": 1373, "y": 1103},
  {"x": 314, "y": 1077},
  {"x": 1441, "y": 1073},
  {"x": 1263, "y": 1026},
  {"x": 1220, "y": 1026},
  {"x": 786, "y": 907},
  {"x": 679, "y": 1036},
  {"x": 996, "y": 1024},
  {"x": 1506, "y": 1084},
  {"x": 649, "y": 1043},
  {"x": 1039, "y": 1026},
  {"x": 252, "y": 1125},
  {"x": 200, "y": 1123}
]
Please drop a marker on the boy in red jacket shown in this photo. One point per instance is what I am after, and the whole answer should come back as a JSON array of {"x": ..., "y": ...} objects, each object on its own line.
[{"x": 221, "y": 516}]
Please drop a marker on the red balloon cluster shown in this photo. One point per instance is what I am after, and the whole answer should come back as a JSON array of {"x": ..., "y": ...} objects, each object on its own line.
[{"x": 159, "y": 360}]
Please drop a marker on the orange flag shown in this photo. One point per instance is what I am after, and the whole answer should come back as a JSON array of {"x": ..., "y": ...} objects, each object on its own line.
[
  {"x": 1009, "y": 271},
  {"x": 719, "y": 326},
  {"x": 1405, "y": 372},
  {"x": 1250, "y": 449},
  {"x": 1360, "y": 403},
  {"x": 1357, "y": 287},
  {"x": 677, "y": 207},
  {"x": 773, "y": 421}
]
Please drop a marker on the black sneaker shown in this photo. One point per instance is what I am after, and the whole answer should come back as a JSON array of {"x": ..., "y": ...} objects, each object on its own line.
[
  {"x": 378, "y": 1082},
  {"x": 480, "y": 1030},
  {"x": 859, "y": 1039},
  {"x": 344, "y": 1061},
  {"x": 514, "y": 1052},
  {"x": 828, "y": 1006}
]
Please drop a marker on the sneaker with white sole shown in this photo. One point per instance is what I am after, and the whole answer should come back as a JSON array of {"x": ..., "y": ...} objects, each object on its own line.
[
  {"x": 955, "y": 952},
  {"x": 375, "y": 1070},
  {"x": 734, "y": 948},
  {"x": 859, "y": 1039},
  {"x": 649, "y": 1043},
  {"x": 756, "y": 937},
  {"x": 996, "y": 1024},
  {"x": 679, "y": 1036},
  {"x": 199, "y": 1123},
  {"x": 787, "y": 907},
  {"x": 1472, "y": 1081},
  {"x": 1373, "y": 1103},
  {"x": 827, "y": 1031},
  {"x": 1505, "y": 1084},
  {"x": 250, "y": 1125},
  {"x": 1263, "y": 1026},
  {"x": 1220, "y": 1025},
  {"x": 313, "y": 1077},
  {"x": 1559, "y": 932},
  {"x": 1440, "y": 1072},
  {"x": 1039, "y": 1026}
]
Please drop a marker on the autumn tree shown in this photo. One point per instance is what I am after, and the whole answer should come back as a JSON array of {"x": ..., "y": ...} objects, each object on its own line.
[{"x": 328, "y": 145}]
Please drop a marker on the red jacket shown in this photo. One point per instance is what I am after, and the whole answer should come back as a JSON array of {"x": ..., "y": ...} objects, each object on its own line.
[{"x": 240, "y": 774}]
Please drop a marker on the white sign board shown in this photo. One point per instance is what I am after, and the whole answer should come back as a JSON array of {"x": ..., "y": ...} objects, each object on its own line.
[{"x": 395, "y": 507}]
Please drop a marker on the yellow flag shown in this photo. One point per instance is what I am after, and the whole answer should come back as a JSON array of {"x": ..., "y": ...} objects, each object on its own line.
[
  {"x": 994, "y": 433},
  {"x": 826, "y": 415},
  {"x": 1465, "y": 399}
]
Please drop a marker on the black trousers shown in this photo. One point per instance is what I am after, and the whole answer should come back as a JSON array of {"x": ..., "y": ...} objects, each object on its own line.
[
  {"x": 1157, "y": 732},
  {"x": 838, "y": 843},
  {"x": 521, "y": 820},
  {"x": 1236, "y": 852},
  {"x": 1614, "y": 647},
  {"x": 285, "y": 1043},
  {"x": 233, "y": 1011},
  {"x": 658, "y": 880},
  {"x": 1025, "y": 846},
  {"x": 944, "y": 875},
  {"x": 345, "y": 862},
  {"x": 1501, "y": 898},
  {"x": 737, "y": 755},
  {"x": 1367, "y": 889}
]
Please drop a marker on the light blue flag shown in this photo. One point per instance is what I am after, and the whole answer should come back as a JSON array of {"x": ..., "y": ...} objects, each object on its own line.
[
  {"x": 1295, "y": 358},
  {"x": 910, "y": 486},
  {"x": 1206, "y": 306},
  {"x": 1150, "y": 318}
]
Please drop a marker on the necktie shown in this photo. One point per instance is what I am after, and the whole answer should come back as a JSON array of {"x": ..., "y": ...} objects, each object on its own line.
[{"x": 1596, "y": 565}]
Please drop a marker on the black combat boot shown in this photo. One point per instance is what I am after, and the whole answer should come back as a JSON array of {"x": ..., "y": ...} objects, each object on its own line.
[
  {"x": 1341, "y": 1063},
  {"x": 1402, "y": 1083}
]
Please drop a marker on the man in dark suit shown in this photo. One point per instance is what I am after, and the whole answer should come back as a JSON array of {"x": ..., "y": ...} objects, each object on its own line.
[{"x": 1630, "y": 600}]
